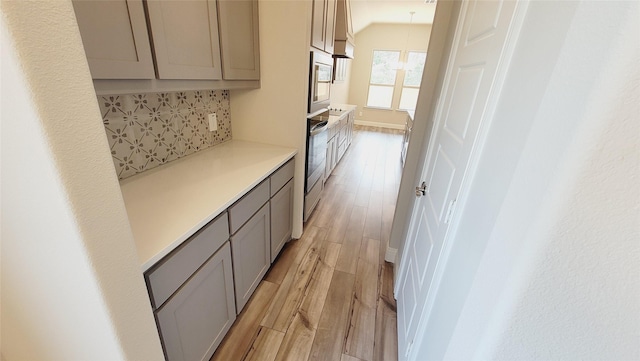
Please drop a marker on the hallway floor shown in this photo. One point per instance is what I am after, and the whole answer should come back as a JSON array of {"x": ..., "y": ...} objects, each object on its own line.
[{"x": 329, "y": 295}]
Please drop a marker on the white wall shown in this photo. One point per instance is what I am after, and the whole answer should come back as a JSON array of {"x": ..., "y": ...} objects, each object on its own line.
[
  {"x": 276, "y": 113},
  {"x": 71, "y": 283},
  {"x": 382, "y": 37},
  {"x": 545, "y": 264},
  {"x": 340, "y": 89}
]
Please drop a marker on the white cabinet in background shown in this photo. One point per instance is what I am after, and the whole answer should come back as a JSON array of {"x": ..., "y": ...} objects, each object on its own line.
[{"x": 115, "y": 38}]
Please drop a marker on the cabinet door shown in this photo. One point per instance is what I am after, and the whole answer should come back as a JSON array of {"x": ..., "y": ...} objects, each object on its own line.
[
  {"x": 251, "y": 255},
  {"x": 327, "y": 164},
  {"x": 115, "y": 38},
  {"x": 239, "y": 39},
  {"x": 185, "y": 39},
  {"x": 281, "y": 218},
  {"x": 318, "y": 34},
  {"x": 195, "y": 320},
  {"x": 330, "y": 26}
]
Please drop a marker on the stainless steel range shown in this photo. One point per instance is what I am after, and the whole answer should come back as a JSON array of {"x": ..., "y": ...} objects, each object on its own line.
[{"x": 317, "y": 137}]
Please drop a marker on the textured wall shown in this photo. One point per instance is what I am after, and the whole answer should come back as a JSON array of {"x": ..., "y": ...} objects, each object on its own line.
[
  {"x": 147, "y": 130},
  {"x": 71, "y": 282}
]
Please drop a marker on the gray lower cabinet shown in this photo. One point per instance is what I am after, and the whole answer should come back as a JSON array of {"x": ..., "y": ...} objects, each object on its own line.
[
  {"x": 197, "y": 317},
  {"x": 251, "y": 255},
  {"x": 199, "y": 288},
  {"x": 281, "y": 218}
]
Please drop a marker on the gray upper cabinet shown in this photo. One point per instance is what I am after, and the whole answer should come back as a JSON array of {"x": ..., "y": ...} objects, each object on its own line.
[
  {"x": 344, "y": 37},
  {"x": 323, "y": 24},
  {"x": 185, "y": 39},
  {"x": 239, "y": 39},
  {"x": 115, "y": 38}
]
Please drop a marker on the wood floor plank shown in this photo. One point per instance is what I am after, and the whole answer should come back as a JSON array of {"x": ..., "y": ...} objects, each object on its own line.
[
  {"x": 386, "y": 339},
  {"x": 329, "y": 253},
  {"x": 295, "y": 293},
  {"x": 329, "y": 339},
  {"x": 239, "y": 339},
  {"x": 293, "y": 252},
  {"x": 314, "y": 298},
  {"x": 361, "y": 333},
  {"x": 342, "y": 215},
  {"x": 266, "y": 345},
  {"x": 385, "y": 229},
  {"x": 352, "y": 241},
  {"x": 385, "y": 287},
  {"x": 373, "y": 222},
  {"x": 297, "y": 342},
  {"x": 366, "y": 285},
  {"x": 346, "y": 357},
  {"x": 330, "y": 293}
]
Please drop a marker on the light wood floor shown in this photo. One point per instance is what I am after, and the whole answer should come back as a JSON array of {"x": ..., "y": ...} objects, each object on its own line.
[{"x": 329, "y": 295}]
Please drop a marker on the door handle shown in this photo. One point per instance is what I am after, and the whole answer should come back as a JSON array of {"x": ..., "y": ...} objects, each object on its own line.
[{"x": 421, "y": 190}]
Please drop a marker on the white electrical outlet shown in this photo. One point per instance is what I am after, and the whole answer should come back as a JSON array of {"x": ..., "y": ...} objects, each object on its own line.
[
  {"x": 360, "y": 114},
  {"x": 213, "y": 122}
]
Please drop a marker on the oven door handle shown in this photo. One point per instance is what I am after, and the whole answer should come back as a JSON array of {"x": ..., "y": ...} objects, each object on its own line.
[{"x": 319, "y": 128}]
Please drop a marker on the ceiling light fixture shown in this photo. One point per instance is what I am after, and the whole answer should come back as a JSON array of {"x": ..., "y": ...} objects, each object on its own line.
[{"x": 402, "y": 65}]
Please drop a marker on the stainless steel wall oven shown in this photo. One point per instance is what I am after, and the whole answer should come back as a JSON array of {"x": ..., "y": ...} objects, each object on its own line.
[{"x": 317, "y": 137}]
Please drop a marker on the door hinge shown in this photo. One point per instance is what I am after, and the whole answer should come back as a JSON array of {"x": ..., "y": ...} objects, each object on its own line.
[{"x": 447, "y": 218}]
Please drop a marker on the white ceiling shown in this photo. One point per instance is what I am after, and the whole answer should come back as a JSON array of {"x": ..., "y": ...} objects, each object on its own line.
[{"x": 365, "y": 12}]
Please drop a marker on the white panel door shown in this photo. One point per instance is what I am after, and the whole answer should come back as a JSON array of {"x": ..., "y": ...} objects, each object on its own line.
[{"x": 477, "y": 51}]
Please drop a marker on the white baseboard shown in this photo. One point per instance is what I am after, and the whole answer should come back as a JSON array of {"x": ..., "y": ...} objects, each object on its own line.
[
  {"x": 390, "y": 255},
  {"x": 380, "y": 125}
]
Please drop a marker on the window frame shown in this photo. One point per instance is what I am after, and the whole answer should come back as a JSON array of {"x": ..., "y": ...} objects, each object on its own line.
[
  {"x": 398, "y": 85},
  {"x": 392, "y": 86}
]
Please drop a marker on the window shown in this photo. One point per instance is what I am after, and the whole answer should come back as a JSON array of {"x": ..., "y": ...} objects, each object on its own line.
[
  {"x": 412, "y": 77},
  {"x": 383, "y": 78},
  {"x": 387, "y": 66}
]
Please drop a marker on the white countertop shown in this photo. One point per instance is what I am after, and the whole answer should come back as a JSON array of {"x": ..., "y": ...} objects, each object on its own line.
[{"x": 167, "y": 204}]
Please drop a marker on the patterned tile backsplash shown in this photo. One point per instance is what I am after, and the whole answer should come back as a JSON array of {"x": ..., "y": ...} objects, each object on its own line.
[{"x": 147, "y": 130}]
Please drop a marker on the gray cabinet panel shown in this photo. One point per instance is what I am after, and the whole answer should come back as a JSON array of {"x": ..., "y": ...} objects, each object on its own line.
[
  {"x": 185, "y": 39},
  {"x": 167, "y": 276},
  {"x": 195, "y": 320},
  {"x": 242, "y": 210},
  {"x": 239, "y": 39},
  {"x": 115, "y": 39},
  {"x": 282, "y": 176},
  {"x": 251, "y": 255},
  {"x": 281, "y": 218}
]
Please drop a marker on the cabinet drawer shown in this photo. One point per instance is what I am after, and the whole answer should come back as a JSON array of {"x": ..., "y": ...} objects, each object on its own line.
[
  {"x": 170, "y": 273},
  {"x": 196, "y": 319},
  {"x": 282, "y": 176},
  {"x": 242, "y": 210}
]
